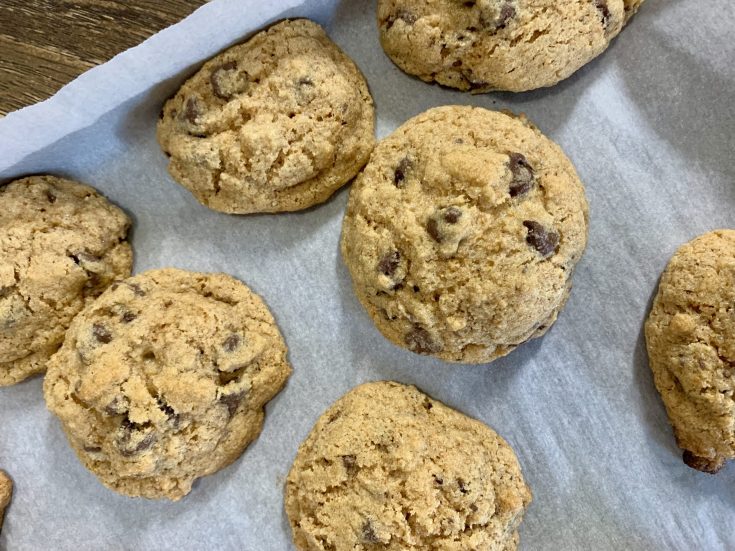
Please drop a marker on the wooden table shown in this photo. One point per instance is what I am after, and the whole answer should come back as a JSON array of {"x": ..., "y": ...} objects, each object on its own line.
[{"x": 44, "y": 44}]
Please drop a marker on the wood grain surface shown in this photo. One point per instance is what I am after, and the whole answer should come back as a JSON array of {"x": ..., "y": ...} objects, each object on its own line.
[{"x": 44, "y": 44}]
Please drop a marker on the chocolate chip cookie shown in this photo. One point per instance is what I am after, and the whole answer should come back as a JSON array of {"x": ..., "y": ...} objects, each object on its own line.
[
  {"x": 690, "y": 335},
  {"x": 278, "y": 123},
  {"x": 61, "y": 245},
  {"x": 463, "y": 232},
  {"x": 387, "y": 467},
  {"x": 484, "y": 45},
  {"x": 6, "y": 492},
  {"x": 164, "y": 379}
]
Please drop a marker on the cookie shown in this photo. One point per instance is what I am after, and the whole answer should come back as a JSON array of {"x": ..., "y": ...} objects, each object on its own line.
[
  {"x": 278, "y": 123},
  {"x": 690, "y": 335},
  {"x": 61, "y": 245},
  {"x": 485, "y": 45},
  {"x": 6, "y": 492},
  {"x": 387, "y": 467},
  {"x": 463, "y": 232},
  {"x": 164, "y": 379}
]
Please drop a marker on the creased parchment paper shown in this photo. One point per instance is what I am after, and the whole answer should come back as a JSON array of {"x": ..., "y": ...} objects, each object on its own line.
[{"x": 649, "y": 126}]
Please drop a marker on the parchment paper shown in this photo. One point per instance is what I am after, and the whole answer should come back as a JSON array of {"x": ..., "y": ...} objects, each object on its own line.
[{"x": 649, "y": 126}]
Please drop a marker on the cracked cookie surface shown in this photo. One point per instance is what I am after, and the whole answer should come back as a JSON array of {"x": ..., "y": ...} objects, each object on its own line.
[
  {"x": 484, "y": 45},
  {"x": 61, "y": 245},
  {"x": 387, "y": 467},
  {"x": 164, "y": 379},
  {"x": 463, "y": 232},
  {"x": 690, "y": 335},
  {"x": 278, "y": 123}
]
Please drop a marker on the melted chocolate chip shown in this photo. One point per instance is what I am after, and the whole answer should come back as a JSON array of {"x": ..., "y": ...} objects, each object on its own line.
[
  {"x": 701, "y": 463},
  {"x": 215, "y": 80},
  {"x": 400, "y": 173},
  {"x": 232, "y": 401},
  {"x": 523, "y": 176},
  {"x": 92, "y": 449},
  {"x": 130, "y": 442},
  {"x": 350, "y": 463},
  {"x": 419, "y": 340},
  {"x": 368, "y": 533},
  {"x": 232, "y": 342},
  {"x": 191, "y": 110},
  {"x": 432, "y": 228},
  {"x": 601, "y": 5},
  {"x": 137, "y": 289},
  {"x": 543, "y": 240},
  {"x": 118, "y": 406},
  {"x": 389, "y": 263},
  {"x": 101, "y": 333},
  {"x": 50, "y": 196},
  {"x": 452, "y": 215}
]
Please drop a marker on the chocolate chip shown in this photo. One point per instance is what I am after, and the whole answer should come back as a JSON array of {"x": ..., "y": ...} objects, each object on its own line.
[
  {"x": 165, "y": 408},
  {"x": 350, "y": 463},
  {"x": 137, "y": 289},
  {"x": 419, "y": 340},
  {"x": 701, "y": 463},
  {"x": 507, "y": 12},
  {"x": 232, "y": 401},
  {"x": 101, "y": 333},
  {"x": 523, "y": 176},
  {"x": 50, "y": 196},
  {"x": 216, "y": 80},
  {"x": 368, "y": 533},
  {"x": 127, "y": 317},
  {"x": 134, "y": 439},
  {"x": 438, "y": 480},
  {"x": 452, "y": 215},
  {"x": 191, "y": 110},
  {"x": 306, "y": 81},
  {"x": 232, "y": 342},
  {"x": 543, "y": 240},
  {"x": 601, "y": 5},
  {"x": 428, "y": 406},
  {"x": 432, "y": 228},
  {"x": 462, "y": 486},
  {"x": 389, "y": 263},
  {"x": 83, "y": 257},
  {"x": 118, "y": 406},
  {"x": 400, "y": 174},
  {"x": 92, "y": 449}
]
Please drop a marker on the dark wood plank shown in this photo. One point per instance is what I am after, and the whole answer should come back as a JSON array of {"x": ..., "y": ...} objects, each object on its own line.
[{"x": 44, "y": 44}]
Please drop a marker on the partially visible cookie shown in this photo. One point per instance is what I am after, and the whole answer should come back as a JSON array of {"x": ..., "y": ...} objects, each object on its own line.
[
  {"x": 690, "y": 334},
  {"x": 484, "y": 45},
  {"x": 387, "y": 467},
  {"x": 463, "y": 232},
  {"x": 6, "y": 492},
  {"x": 61, "y": 245},
  {"x": 164, "y": 379},
  {"x": 278, "y": 123}
]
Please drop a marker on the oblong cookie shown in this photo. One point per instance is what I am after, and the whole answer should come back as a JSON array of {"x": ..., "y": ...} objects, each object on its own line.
[
  {"x": 463, "y": 232},
  {"x": 690, "y": 335},
  {"x": 61, "y": 245},
  {"x": 388, "y": 467},
  {"x": 485, "y": 45},
  {"x": 164, "y": 379},
  {"x": 6, "y": 492},
  {"x": 278, "y": 123}
]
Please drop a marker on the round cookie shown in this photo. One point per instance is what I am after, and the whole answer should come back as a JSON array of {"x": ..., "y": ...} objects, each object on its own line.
[
  {"x": 485, "y": 45},
  {"x": 690, "y": 335},
  {"x": 388, "y": 467},
  {"x": 6, "y": 492},
  {"x": 278, "y": 123},
  {"x": 463, "y": 232},
  {"x": 61, "y": 245},
  {"x": 164, "y": 380}
]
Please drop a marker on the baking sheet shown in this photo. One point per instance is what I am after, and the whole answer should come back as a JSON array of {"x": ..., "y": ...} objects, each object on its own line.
[{"x": 649, "y": 126}]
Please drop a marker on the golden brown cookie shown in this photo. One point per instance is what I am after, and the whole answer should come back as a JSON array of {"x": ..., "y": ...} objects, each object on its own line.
[
  {"x": 164, "y": 379},
  {"x": 6, "y": 492},
  {"x": 278, "y": 123},
  {"x": 484, "y": 45},
  {"x": 387, "y": 467},
  {"x": 463, "y": 232},
  {"x": 61, "y": 245},
  {"x": 690, "y": 335}
]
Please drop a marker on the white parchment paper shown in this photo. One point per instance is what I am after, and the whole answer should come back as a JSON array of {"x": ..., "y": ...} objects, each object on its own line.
[{"x": 649, "y": 126}]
